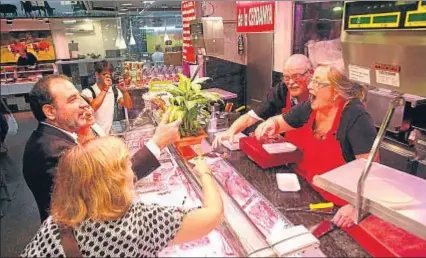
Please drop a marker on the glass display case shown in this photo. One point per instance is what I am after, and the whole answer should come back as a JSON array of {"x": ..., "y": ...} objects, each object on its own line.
[
  {"x": 252, "y": 227},
  {"x": 20, "y": 79}
]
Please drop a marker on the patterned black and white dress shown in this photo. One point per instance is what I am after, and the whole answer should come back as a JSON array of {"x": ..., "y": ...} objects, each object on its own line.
[{"x": 142, "y": 232}]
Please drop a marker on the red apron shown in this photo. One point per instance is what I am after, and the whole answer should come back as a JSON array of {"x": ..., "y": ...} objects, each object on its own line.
[
  {"x": 378, "y": 237},
  {"x": 320, "y": 155}
]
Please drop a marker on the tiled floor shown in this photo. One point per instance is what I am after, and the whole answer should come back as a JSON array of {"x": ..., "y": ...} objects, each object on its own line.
[{"x": 21, "y": 219}]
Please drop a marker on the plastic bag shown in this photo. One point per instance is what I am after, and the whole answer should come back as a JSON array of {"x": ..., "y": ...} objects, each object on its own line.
[{"x": 13, "y": 125}]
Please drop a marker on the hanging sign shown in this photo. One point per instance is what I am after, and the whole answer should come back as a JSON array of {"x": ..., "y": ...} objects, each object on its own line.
[
  {"x": 255, "y": 16},
  {"x": 188, "y": 14}
]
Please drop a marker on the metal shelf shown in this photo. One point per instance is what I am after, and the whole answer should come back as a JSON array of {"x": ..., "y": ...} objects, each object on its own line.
[{"x": 29, "y": 71}]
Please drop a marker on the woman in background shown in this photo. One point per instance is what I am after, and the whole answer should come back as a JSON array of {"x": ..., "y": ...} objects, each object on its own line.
[
  {"x": 93, "y": 198},
  {"x": 91, "y": 130}
]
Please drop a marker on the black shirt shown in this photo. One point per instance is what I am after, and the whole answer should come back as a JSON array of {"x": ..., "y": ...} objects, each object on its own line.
[
  {"x": 273, "y": 103},
  {"x": 356, "y": 132},
  {"x": 30, "y": 60}
]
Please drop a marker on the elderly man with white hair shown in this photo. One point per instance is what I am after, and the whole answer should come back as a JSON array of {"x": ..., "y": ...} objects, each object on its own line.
[{"x": 292, "y": 90}]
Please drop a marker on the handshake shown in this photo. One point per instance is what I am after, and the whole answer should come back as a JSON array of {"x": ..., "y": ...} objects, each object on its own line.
[{"x": 165, "y": 133}]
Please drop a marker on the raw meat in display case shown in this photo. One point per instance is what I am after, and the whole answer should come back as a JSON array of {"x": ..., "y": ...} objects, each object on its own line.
[
  {"x": 239, "y": 189},
  {"x": 236, "y": 186},
  {"x": 268, "y": 221},
  {"x": 221, "y": 171},
  {"x": 169, "y": 187}
]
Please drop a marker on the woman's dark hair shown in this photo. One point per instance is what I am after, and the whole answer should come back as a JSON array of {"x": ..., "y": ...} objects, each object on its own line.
[
  {"x": 103, "y": 66},
  {"x": 40, "y": 95}
]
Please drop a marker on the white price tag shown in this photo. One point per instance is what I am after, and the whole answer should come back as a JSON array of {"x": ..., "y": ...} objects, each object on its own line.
[
  {"x": 387, "y": 78},
  {"x": 359, "y": 74}
]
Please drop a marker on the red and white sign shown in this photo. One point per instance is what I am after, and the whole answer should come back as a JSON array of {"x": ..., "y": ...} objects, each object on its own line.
[
  {"x": 188, "y": 14},
  {"x": 255, "y": 16}
]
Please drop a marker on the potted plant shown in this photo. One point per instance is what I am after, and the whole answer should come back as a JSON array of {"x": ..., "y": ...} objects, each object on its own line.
[{"x": 190, "y": 103}]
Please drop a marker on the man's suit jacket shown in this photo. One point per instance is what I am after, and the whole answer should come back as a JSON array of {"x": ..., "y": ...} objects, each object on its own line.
[{"x": 42, "y": 152}]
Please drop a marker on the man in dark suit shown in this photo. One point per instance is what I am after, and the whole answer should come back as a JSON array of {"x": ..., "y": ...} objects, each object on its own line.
[{"x": 57, "y": 105}]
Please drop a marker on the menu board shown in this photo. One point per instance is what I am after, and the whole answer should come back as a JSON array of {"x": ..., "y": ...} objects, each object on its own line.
[
  {"x": 385, "y": 15},
  {"x": 188, "y": 14}
]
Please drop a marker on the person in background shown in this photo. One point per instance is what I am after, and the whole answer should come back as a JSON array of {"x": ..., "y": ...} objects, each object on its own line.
[
  {"x": 61, "y": 112},
  {"x": 292, "y": 90},
  {"x": 336, "y": 127},
  {"x": 91, "y": 130},
  {"x": 93, "y": 199},
  {"x": 4, "y": 127},
  {"x": 26, "y": 58},
  {"x": 104, "y": 96},
  {"x": 158, "y": 55}
]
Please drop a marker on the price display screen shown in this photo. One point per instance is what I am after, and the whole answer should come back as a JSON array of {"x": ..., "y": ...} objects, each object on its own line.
[{"x": 385, "y": 15}]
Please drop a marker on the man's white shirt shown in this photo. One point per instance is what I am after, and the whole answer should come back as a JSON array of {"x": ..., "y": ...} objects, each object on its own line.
[{"x": 105, "y": 114}]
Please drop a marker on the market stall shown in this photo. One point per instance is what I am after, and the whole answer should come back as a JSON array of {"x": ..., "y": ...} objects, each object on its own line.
[{"x": 260, "y": 220}]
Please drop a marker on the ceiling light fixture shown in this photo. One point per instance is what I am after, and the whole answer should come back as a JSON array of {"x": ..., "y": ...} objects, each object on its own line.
[
  {"x": 337, "y": 9},
  {"x": 120, "y": 43},
  {"x": 127, "y": 4},
  {"x": 132, "y": 40},
  {"x": 124, "y": 9}
]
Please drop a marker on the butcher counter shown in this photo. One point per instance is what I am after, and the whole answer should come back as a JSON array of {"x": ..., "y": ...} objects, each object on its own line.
[{"x": 256, "y": 224}]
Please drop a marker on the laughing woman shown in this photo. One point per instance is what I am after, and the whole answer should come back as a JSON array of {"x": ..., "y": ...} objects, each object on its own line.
[{"x": 336, "y": 127}]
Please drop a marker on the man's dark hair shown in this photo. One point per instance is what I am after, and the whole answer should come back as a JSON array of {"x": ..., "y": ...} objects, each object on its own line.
[
  {"x": 40, "y": 95},
  {"x": 158, "y": 48},
  {"x": 103, "y": 66}
]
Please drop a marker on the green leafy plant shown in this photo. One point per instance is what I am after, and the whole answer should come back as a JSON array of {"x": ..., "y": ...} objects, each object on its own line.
[{"x": 190, "y": 103}]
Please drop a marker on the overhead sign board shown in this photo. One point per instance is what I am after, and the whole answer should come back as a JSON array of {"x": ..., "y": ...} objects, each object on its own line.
[{"x": 255, "y": 16}]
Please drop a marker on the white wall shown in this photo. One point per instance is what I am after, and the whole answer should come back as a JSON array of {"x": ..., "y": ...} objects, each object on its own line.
[
  {"x": 283, "y": 35},
  {"x": 88, "y": 42}
]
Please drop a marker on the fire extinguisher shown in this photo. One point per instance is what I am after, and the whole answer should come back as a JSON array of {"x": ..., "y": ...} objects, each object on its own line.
[{"x": 241, "y": 45}]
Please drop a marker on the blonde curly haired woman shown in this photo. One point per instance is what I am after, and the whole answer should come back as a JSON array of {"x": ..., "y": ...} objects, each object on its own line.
[{"x": 93, "y": 200}]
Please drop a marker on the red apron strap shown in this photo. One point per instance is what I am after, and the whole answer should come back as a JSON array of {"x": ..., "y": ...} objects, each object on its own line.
[
  {"x": 287, "y": 104},
  {"x": 336, "y": 121}
]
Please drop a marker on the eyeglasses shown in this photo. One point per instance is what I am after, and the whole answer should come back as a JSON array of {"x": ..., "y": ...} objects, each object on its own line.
[
  {"x": 318, "y": 84},
  {"x": 294, "y": 77}
]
